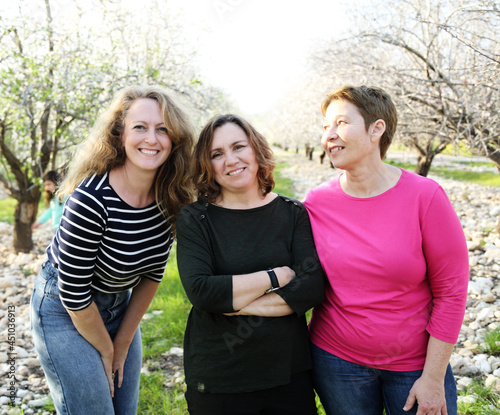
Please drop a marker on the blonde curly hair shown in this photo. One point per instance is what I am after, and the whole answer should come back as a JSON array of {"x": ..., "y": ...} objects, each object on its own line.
[{"x": 103, "y": 149}]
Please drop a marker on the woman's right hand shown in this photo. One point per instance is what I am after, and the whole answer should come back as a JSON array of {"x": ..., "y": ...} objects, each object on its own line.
[
  {"x": 107, "y": 363},
  {"x": 285, "y": 275},
  {"x": 89, "y": 324}
]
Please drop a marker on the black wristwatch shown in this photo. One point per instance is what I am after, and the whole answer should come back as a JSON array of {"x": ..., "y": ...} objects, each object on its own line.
[{"x": 275, "y": 285}]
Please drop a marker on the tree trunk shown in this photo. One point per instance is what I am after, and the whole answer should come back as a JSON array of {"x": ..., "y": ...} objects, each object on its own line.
[
  {"x": 310, "y": 154},
  {"x": 323, "y": 155},
  {"x": 424, "y": 164},
  {"x": 24, "y": 216},
  {"x": 495, "y": 158}
]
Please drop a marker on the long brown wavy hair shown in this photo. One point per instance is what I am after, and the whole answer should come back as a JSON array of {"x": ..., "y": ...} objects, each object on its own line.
[{"x": 103, "y": 149}]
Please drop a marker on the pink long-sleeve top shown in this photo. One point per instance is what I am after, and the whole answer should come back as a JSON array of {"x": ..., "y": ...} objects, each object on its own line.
[{"x": 398, "y": 269}]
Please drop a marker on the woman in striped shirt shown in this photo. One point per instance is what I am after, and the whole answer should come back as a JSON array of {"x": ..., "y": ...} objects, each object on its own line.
[{"x": 126, "y": 184}]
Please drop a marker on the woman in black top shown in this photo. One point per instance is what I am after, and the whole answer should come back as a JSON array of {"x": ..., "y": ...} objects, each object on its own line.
[{"x": 247, "y": 261}]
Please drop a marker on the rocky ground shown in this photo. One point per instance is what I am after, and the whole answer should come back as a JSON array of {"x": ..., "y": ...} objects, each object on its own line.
[{"x": 478, "y": 207}]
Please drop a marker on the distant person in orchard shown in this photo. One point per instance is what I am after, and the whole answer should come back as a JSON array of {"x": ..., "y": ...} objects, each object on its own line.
[
  {"x": 54, "y": 205},
  {"x": 247, "y": 261},
  {"x": 126, "y": 185},
  {"x": 396, "y": 261}
]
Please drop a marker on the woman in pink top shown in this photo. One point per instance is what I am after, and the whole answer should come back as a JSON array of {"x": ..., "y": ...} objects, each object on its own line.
[{"x": 394, "y": 253}]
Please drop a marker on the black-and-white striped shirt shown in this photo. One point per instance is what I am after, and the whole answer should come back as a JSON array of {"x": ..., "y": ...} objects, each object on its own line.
[{"x": 104, "y": 244}]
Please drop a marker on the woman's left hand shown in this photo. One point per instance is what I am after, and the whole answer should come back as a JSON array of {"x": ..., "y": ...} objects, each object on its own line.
[
  {"x": 429, "y": 394},
  {"x": 119, "y": 357}
]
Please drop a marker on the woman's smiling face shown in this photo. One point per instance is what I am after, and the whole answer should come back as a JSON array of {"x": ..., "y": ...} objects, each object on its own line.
[
  {"x": 233, "y": 160},
  {"x": 145, "y": 136},
  {"x": 345, "y": 138}
]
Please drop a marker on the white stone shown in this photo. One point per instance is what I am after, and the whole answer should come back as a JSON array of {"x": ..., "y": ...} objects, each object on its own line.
[
  {"x": 494, "y": 211},
  {"x": 492, "y": 381},
  {"x": 21, "y": 353},
  {"x": 485, "y": 284},
  {"x": 485, "y": 315},
  {"x": 176, "y": 351},
  {"x": 31, "y": 362},
  {"x": 469, "y": 344},
  {"x": 474, "y": 325},
  {"x": 474, "y": 244},
  {"x": 38, "y": 403},
  {"x": 474, "y": 288},
  {"x": 473, "y": 261},
  {"x": 463, "y": 383},
  {"x": 492, "y": 252},
  {"x": 468, "y": 399},
  {"x": 7, "y": 282},
  {"x": 462, "y": 365},
  {"x": 493, "y": 326},
  {"x": 494, "y": 362},
  {"x": 21, "y": 393},
  {"x": 488, "y": 297},
  {"x": 483, "y": 365}
]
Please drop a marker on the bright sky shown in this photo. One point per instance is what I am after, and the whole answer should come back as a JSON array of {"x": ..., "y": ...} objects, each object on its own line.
[{"x": 254, "y": 49}]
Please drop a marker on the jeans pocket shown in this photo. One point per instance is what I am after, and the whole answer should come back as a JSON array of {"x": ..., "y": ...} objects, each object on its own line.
[{"x": 52, "y": 288}]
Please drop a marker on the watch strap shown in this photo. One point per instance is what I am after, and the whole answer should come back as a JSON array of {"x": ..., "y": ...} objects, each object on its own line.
[{"x": 275, "y": 285}]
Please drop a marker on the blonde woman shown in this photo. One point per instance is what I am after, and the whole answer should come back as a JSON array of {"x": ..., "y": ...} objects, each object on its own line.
[{"x": 127, "y": 182}]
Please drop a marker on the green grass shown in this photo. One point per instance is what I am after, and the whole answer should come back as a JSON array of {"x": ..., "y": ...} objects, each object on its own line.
[
  {"x": 491, "y": 343},
  {"x": 154, "y": 399},
  {"x": 482, "y": 178},
  {"x": 476, "y": 163},
  {"x": 7, "y": 208},
  {"x": 478, "y": 400},
  {"x": 407, "y": 166},
  {"x": 284, "y": 185},
  {"x": 163, "y": 331}
]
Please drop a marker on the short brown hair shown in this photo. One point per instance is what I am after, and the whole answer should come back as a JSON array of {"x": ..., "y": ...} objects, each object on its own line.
[
  {"x": 373, "y": 104},
  {"x": 204, "y": 178}
]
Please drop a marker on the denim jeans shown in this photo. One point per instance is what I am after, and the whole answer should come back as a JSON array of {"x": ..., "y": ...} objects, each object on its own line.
[
  {"x": 346, "y": 388},
  {"x": 72, "y": 366}
]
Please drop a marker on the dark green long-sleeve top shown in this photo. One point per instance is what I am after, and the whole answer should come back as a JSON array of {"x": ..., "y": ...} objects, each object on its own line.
[{"x": 232, "y": 354}]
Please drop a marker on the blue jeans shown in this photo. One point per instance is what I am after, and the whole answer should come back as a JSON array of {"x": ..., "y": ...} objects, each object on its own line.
[
  {"x": 72, "y": 366},
  {"x": 346, "y": 388}
]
